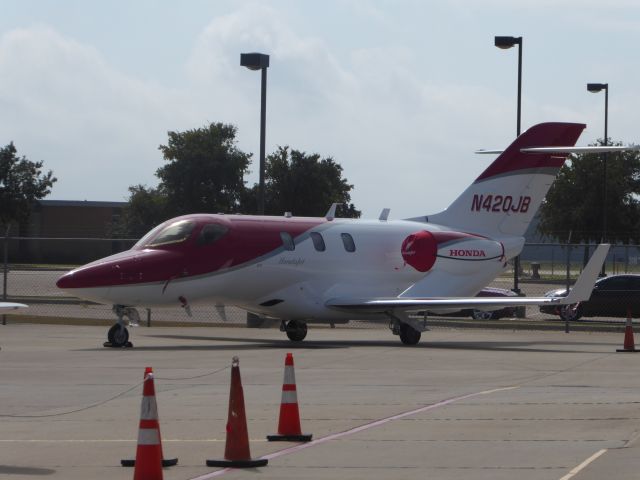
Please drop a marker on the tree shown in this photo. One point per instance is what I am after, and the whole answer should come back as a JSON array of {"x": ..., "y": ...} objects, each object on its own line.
[
  {"x": 205, "y": 171},
  {"x": 575, "y": 200},
  {"x": 22, "y": 182},
  {"x": 147, "y": 208},
  {"x": 305, "y": 185}
]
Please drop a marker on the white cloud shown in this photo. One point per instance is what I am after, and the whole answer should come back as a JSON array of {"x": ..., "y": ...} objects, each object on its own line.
[
  {"x": 99, "y": 129},
  {"x": 404, "y": 137},
  {"x": 95, "y": 127}
]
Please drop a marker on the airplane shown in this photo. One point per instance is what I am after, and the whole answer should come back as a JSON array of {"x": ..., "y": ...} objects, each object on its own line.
[
  {"x": 11, "y": 306},
  {"x": 331, "y": 270}
]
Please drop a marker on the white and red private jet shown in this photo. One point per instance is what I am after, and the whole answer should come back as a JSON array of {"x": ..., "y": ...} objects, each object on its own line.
[{"x": 332, "y": 270}]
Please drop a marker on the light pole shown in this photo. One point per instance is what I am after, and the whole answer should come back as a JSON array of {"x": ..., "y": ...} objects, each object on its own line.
[
  {"x": 259, "y": 61},
  {"x": 595, "y": 88},
  {"x": 506, "y": 43}
]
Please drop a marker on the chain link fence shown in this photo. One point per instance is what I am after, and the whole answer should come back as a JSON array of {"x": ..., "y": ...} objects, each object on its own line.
[{"x": 31, "y": 267}]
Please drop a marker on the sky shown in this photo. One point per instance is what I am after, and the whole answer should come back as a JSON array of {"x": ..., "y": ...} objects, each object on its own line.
[{"x": 399, "y": 92}]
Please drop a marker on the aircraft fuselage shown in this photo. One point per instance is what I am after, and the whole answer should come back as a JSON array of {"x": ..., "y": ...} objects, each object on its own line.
[{"x": 289, "y": 267}]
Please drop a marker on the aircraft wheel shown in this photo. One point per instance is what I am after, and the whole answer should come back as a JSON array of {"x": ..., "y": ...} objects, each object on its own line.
[
  {"x": 409, "y": 335},
  {"x": 570, "y": 312},
  {"x": 481, "y": 315},
  {"x": 296, "y": 330},
  {"x": 118, "y": 335}
]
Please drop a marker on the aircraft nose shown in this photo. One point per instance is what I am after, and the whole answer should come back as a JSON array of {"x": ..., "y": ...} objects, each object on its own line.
[
  {"x": 86, "y": 277},
  {"x": 126, "y": 268}
]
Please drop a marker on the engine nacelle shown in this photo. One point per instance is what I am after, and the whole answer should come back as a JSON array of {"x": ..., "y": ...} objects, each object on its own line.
[
  {"x": 419, "y": 250},
  {"x": 464, "y": 253},
  {"x": 455, "y": 252}
]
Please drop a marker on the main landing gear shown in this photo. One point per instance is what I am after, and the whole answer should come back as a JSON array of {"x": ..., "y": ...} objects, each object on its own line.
[
  {"x": 118, "y": 335},
  {"x": 296, "y": 330},
  {"x": 409, "y": 329}
]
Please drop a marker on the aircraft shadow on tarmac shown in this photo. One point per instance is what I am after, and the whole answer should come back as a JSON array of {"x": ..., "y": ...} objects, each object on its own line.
[
  {"x": 14, "y": 470},
  {"x": 236, "y": 343}
]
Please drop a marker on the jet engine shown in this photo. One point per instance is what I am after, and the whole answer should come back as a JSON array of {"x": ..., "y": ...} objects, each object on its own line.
[{"x": 419, "y": 250}]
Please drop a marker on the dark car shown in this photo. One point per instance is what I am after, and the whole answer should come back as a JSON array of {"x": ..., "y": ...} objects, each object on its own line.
[
  {"x": 478, "y": 314},
  {"x": 613, "y": 296}
]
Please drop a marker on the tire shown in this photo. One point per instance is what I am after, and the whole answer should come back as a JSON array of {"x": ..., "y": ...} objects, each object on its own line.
[
  {"x": 409, "y": 335},
  {"x": 118, "y": 335},
  {"x": 296, "y": 330},
  {"x": 481, "y": 315},
  {"x": 570, "y": 313}
]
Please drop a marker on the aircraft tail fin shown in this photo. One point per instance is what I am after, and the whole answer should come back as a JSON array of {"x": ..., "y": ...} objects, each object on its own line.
[{"x": 506, "y": 196}]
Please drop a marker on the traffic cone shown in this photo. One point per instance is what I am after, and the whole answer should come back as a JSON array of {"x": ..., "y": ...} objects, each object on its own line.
[
  {"x": 166, "y": 462},
  {"x": 629, "y": 344},
  {"x": 148, "y": 461},
  {"x": 236, "y": 451},
  {"x": 289, "y": 421}
]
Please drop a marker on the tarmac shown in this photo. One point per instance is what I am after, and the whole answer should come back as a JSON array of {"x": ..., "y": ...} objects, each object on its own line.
[{"x": 462, "y": 404}]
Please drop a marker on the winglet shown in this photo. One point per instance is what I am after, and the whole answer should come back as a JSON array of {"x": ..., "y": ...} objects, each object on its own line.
[{"x": 583, "y": 287}]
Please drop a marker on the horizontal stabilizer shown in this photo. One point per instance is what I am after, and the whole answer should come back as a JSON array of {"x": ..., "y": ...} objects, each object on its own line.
[{"x": 567, "y": 150}]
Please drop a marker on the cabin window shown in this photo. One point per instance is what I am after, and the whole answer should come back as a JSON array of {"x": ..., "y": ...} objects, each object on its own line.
[
  {"x": 287, "y": 241},
  {"x": 211, "y": 233},
  {"x": 347, "y": 241},
  {"x": 318, "y": 241},
  {"x": 175, "y": 233}
]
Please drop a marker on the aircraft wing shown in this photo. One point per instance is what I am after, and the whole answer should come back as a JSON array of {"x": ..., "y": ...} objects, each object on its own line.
[
  {"x": 11, "y": 306},
  {"x": 580, "y": 292}
]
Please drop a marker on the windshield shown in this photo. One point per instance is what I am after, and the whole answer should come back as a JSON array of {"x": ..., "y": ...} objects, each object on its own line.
[
  {"x": 211, "y": 233},
  {"x": 174, "y": 233}
]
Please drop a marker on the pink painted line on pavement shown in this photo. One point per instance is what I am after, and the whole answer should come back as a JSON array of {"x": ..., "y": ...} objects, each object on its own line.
[{"x": 361, "y": 428}]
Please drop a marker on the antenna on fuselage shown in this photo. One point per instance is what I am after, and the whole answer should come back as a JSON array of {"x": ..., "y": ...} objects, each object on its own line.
[
  {"x": 384, "y": 214},
  {"x": 331, "y": 214}
]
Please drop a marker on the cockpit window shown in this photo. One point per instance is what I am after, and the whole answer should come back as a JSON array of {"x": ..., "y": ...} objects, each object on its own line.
[
  {"x": 174, "y": 233},
  {"x": 287, "y": 241},
  {"x": 211, "y": 233}
]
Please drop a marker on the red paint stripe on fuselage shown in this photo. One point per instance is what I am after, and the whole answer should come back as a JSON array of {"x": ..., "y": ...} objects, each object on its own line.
[{"x": 248, "y": 238}]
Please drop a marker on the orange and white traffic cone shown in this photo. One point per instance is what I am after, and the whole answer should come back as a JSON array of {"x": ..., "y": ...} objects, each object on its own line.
[
  {"x": 629, "y": 344},
  {"x": 236, "y": 451},
  {"x": 149, "y": 452},
  {"x": 289, "y": 420},
  {"x": 166, "y": 462}
]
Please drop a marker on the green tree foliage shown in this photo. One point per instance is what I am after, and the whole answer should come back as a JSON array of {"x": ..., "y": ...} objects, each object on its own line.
[
  {"x": 205, "y": 173},
  {"x": 575, "y": 201},
  {"x": 305, "y": 185},
  {"x": 22, "y": 182},
  {"x": 147, "y": 208},
  {"x": 205, "y": 170}
]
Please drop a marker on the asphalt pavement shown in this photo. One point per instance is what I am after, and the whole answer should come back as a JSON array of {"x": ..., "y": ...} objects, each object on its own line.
[{"x": 464, "y": 403}]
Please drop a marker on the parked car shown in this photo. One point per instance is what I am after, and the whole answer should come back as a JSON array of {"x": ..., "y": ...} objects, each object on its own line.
[
  {"x": 612, "y": 296},
  {"x": 478, "y": 314}
]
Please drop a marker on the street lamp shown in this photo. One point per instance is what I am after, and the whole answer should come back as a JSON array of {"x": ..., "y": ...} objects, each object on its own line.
[
  {"x": 506, "y": 43},
  {"x": 259, "y": 61},
  {"x": 595, "y": 88}
]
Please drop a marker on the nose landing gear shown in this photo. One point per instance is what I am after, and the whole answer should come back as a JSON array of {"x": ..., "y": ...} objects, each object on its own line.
[
  {"x": 118, "y": 335},
  {"x": 296, "y": 330}
]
